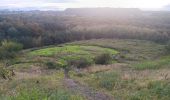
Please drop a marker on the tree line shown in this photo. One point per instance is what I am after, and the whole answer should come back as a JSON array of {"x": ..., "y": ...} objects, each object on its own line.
[{"x": 37, "y": 28}]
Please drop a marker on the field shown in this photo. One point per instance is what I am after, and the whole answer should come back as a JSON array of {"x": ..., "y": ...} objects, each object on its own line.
[{"x": 139, "y": 70}]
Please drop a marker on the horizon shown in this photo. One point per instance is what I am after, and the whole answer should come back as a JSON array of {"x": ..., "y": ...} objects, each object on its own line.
[{"x": 43, "y": 5}]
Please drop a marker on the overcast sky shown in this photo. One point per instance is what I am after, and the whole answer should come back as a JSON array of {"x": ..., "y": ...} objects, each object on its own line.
[{"x": 62, "y": 4}]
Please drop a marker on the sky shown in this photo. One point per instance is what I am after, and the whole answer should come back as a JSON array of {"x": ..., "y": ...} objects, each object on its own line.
[{"x": 62, "y": 4}]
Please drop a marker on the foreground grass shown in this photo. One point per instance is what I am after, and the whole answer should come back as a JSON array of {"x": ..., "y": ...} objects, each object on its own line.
[
  {"x": 123, "y": 88},
  {"x": 38, "y": 94},
  {"x": 41, "y": 87}
]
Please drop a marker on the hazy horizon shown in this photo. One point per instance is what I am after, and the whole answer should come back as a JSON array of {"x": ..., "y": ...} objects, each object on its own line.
[{"x": 63, "y": 4}]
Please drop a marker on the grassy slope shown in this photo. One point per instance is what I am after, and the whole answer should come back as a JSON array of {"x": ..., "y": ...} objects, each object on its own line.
[
  {"x": 134, "y": 50},
  {"x": 147, "y": 78},
  {"x": 124, "y": 82}
]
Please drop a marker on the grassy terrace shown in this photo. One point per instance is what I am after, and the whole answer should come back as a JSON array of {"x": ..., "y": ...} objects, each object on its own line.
[
  {"x": 72, "y": 52},
  {"x": 86, "y": 50}
]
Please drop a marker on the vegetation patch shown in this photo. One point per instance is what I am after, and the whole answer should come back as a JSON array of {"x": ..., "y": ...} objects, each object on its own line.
[
  {"x": 161, "y": 63},
  {"x": 38, "y": 94},
  {"x": 105, "y": 58},
  {"x": 76, "y": 49},
  {"x": 157, "y": 90},
  {"x": 9, "y": 49},
  {"x": 81, "y": 56}
]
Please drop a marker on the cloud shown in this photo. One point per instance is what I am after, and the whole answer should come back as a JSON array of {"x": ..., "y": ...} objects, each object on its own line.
[
  {"x": 39, "y": 4},
  {"x": 167, "y": 7}
]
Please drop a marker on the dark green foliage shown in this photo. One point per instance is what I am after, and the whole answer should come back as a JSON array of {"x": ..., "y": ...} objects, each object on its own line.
[
  {"x": 8, "y": 49},
  {"x": 105, "y": 58},
  {"x": 6, "y": 73},
  {"x": 167, "y": 47},
  {"x": 51, "y": 65},
  {"x": 81, "y": 62}
]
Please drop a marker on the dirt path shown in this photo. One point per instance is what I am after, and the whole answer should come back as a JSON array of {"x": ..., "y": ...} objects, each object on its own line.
[{"x": 89, "y": 93}]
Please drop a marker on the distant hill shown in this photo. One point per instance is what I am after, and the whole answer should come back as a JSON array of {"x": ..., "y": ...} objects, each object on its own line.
[{"x": 103, "y": 11}]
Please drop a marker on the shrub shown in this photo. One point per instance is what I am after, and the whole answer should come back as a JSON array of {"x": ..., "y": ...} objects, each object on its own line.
[
  {"x": 8, "y": 49},
  {"x": 105, "y": 58},
  {"x": 51, "y": 65},
  {"x": 80, "y": 63},
  {"x": 6, "y": 73},
  {"x": 167, "y": 47}
]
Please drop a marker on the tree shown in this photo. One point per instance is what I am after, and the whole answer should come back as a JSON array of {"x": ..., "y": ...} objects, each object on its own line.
[{"x": 9, "y": 49}]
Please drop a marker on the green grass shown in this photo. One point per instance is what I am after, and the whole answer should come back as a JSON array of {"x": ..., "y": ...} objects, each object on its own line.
[
  {"x": 86, "y": 50},
  {"x": 38, "y": 94},
  {"x": 107, "y": 80},
  {"x": 41, "y": 87},
  {"x": 128, "y": 89},
  {"x": 161, "y": 63},
  {"x": 156, "y": 90},
  {"x": 132, "y": 50},
  {"x": 72, "y": 52}
]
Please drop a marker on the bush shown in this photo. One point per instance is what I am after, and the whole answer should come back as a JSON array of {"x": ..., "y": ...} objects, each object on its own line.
[
  {"x": 8, "y": 49},
  {"x": 105, "y": 58},
  {"x": 80, "y": 63},
  {"x": 51, "y": 65},
  {"x": 6, "y": 73},
  {"x": 167, "y": 47}
]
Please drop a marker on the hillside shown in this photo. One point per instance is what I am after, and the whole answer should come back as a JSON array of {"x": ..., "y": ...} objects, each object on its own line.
[
  {"x": 85, "y": 54},
  {"x": 138, "y": 70}
]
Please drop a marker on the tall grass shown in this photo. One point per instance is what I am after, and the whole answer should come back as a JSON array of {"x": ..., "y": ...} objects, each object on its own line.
[
  {"x": 162, "y": 63},
  {"x": 158, "y": 90},
  {"x": 106, "y": 80}
]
